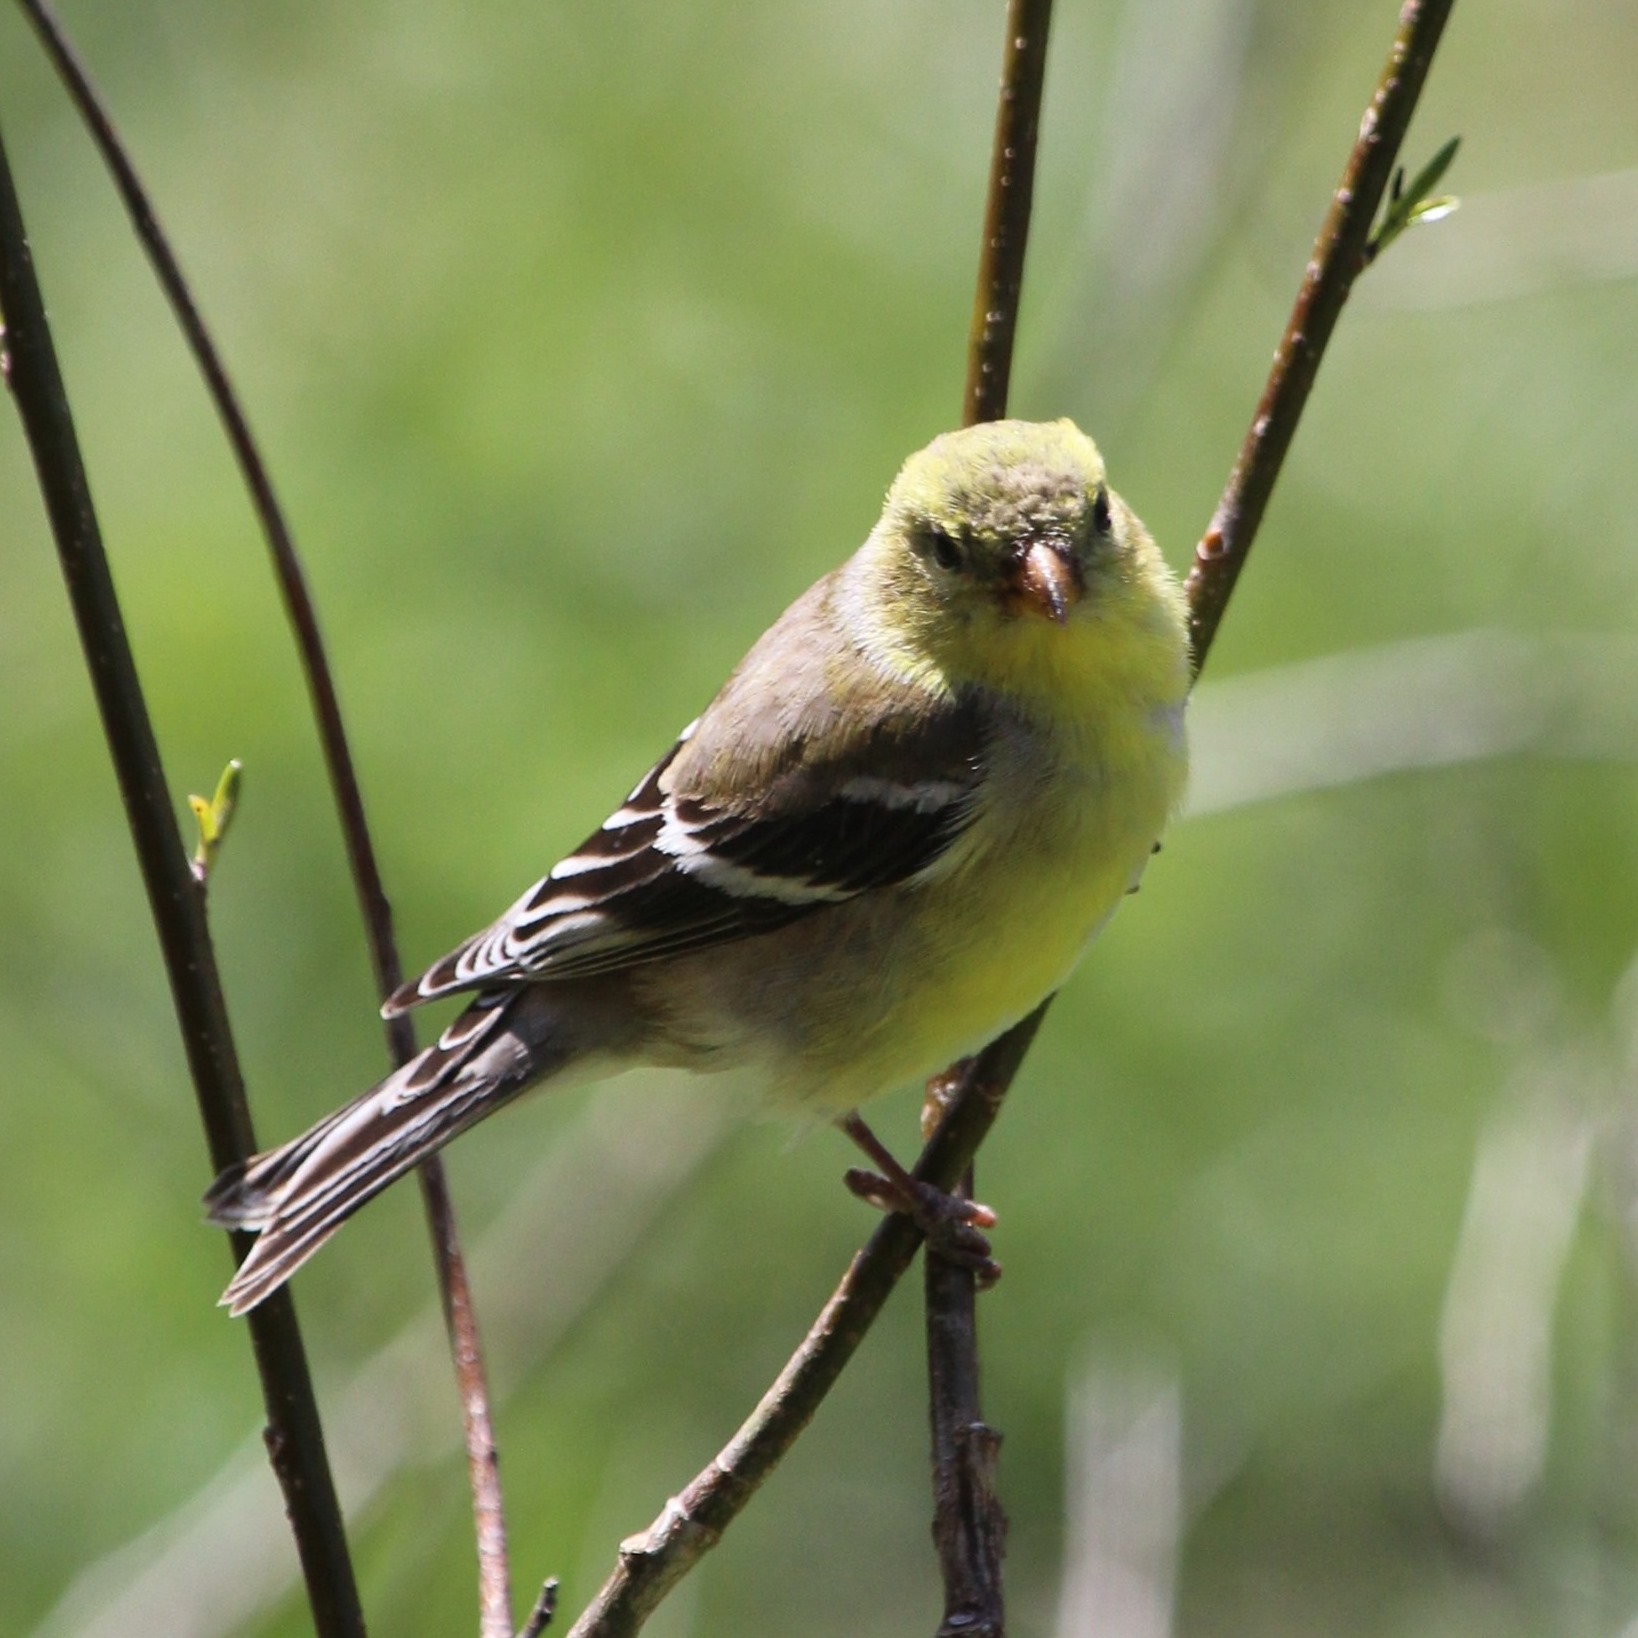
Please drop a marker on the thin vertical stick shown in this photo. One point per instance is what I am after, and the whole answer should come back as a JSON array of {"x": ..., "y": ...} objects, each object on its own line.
[
  {"x": 295, "y": 1437},
  {"x": 1006, "y": 212},
  {"x": 375, "y": 910},
  {"x": 969, "y": 1525}
]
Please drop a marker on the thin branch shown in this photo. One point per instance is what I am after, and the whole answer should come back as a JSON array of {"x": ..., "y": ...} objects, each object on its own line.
[
  {"x": 969, "y": 1526},
  {"x": 494, "y": 1582},
  {"x": 693, "y": 1522},
  {"x": 540, "y": 1617},
  {"x": 1006, "y": 212},
  {"x": 477, "y": 1425},
  {"x": 295, "y": 1436},
  {"x": 1337, "y": 260}
]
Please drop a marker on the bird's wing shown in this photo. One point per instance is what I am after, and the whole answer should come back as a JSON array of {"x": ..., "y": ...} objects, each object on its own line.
[{"x": 684, "y": 864}]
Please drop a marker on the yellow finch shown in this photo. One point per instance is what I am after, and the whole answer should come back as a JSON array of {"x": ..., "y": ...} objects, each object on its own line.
[{"x": 886, "y": 840}]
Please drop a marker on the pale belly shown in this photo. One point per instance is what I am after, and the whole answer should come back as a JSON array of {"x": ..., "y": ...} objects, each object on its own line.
[{"x": 890, "y": 988}]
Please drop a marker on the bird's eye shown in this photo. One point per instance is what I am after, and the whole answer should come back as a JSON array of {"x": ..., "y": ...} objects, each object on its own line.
[
  {"x": 946, "y": 549},
  {"x": 1100, "y": 511}
]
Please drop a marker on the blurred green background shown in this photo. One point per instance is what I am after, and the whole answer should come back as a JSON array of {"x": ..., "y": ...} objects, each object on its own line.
[{"x": 581, "y": 338}]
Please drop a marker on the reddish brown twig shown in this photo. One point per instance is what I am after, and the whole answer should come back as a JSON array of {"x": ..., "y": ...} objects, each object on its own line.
[
  {"x": 1006, "y": 212},
  {"x": 494, "y": 1588},
  {"x": 482, "y": 1458},
  {"x": 1337, "y": 260}
]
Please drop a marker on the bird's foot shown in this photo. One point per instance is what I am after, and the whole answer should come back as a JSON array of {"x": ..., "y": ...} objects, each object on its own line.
[{"x": 953, "y": 1225}]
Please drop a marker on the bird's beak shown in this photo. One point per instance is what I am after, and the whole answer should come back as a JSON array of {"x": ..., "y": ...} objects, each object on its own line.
[{"x": 1046, "y": 579}]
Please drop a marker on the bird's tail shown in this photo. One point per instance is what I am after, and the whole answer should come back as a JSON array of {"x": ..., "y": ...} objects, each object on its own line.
[{"x": 297, "y": 1196}]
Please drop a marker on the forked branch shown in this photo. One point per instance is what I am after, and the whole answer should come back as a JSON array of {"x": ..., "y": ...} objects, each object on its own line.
[{"x": 653, "y": 1562}]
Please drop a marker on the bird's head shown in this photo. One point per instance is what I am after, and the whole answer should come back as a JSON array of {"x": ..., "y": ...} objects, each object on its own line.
[{"x": 1002, "y": 547}]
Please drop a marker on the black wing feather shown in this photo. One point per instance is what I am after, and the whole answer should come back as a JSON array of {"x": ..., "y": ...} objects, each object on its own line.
[{"x": 673, "y": 871}]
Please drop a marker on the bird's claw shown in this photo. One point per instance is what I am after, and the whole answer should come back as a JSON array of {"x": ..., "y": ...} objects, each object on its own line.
[{"x": 953, "y": 1226}]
